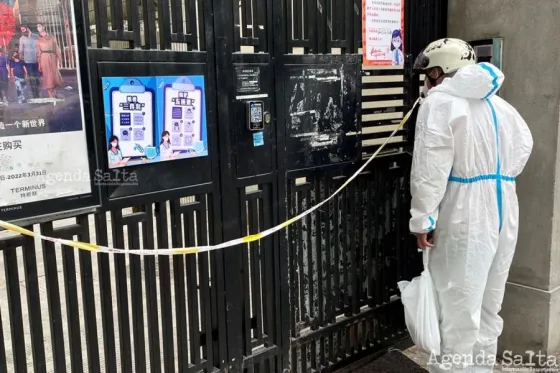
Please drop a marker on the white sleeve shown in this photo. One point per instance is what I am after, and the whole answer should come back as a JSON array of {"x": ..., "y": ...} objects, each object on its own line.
[
  {"x": 524, "y": 144},
  {"x": 431, "y": 163}
]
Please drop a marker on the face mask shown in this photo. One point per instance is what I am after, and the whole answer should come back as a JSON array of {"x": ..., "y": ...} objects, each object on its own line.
[
  {"x": 40, "y": 29},
  {"x": 431, "y": 81},
  {"x": 114, "y": 144},
  {"x": 396, "y": 44},
  {"x": 424, "y": 91}
]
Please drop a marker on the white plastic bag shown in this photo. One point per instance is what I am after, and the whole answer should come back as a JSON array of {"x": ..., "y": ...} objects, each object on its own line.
[{"x": 421, "y": 310}]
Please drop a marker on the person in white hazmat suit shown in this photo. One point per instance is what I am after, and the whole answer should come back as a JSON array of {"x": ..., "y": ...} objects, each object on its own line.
[{"x": 469, "y": 147}]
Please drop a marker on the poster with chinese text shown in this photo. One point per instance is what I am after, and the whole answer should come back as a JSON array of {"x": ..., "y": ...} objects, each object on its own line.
[
  {"x": 181, "y": 128},
  {"x": 383, "y": 30},
  {"x": 43, "y": 148},
  {"x": 154, "y": 119}
]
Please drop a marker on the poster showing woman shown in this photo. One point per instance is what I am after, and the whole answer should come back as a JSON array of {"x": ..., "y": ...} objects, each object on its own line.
[
  {"x": 397, "y": 54},
  {"x": 48, "y": 59},
  {"x": 165, "y": 148},
  {"x": 383, "y": 30},
  {"x": 41, "y": 116}
]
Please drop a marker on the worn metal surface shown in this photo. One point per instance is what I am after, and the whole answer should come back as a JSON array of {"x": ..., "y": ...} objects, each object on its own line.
[
  {"x": 344, "y": 263},
  {"x": 322, "y": 120}
]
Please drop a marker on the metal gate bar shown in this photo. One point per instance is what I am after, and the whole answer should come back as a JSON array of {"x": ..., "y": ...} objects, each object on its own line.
[{"x": 344, "y": 264}]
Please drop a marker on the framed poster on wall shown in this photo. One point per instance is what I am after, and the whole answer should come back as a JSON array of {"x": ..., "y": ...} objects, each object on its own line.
[
  {"x": 181, "y": 124},
  {"x": 129, "y": 119},
  {"x": 154, "y": 119},
  {"x": 382, "y": 32},
  {"x": 45, "y": 165},
  {"x": 154, "y": 124}
]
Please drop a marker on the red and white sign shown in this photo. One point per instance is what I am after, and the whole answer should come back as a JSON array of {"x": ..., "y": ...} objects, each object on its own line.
[{"x": 382, "y": 32}]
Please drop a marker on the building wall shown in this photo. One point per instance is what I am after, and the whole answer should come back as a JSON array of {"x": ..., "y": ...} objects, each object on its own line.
[{"x": 531, "y": 55}]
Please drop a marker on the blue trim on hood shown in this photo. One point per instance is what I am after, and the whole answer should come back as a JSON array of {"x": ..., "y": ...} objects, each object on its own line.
[{"x": 495, "y": 78}]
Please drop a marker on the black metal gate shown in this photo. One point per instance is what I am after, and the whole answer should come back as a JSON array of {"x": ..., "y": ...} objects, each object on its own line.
[{"x": 312, "y": 298}]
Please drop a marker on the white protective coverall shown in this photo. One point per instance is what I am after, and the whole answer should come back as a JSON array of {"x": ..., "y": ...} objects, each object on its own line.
[{"x": 470, "y": 145}]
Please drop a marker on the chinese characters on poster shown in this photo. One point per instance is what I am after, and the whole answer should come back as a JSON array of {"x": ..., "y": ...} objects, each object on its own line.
[
  {"x": 154, "y": 119},
  {"x": 42, "y": 134},
  {"x": 383, "y": 30}
]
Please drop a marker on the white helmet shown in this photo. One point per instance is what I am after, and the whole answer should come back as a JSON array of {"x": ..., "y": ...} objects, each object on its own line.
[{"x": 448, "y": 54}]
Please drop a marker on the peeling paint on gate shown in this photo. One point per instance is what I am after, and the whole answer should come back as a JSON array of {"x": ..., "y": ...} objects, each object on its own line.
[
  {"x": 321, "y": 117},
  {"x": 346, "y": 259}
]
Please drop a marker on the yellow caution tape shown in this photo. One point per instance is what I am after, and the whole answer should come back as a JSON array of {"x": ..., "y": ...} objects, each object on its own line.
[{"x": 193, "y": 250}]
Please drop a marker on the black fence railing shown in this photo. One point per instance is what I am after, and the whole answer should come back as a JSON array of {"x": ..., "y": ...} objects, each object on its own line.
[{"x": 344, "y": 263}]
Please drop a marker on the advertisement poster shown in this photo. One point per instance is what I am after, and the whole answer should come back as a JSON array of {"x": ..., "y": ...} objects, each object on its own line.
[
  {"x": 42, "y": 135},
  {"x": 154, "y": 119},
  {"x": 383, "y": 30}
]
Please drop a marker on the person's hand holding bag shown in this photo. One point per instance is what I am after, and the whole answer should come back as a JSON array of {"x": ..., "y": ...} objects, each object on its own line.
[{"x": 419, "y": 299}]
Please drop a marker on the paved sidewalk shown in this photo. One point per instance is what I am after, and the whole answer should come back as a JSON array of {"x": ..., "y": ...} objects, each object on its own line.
[
  {"x": 422, "y": 359},
  {"x": 392, "y": 362},
  {"x": 402, "y": 359}
]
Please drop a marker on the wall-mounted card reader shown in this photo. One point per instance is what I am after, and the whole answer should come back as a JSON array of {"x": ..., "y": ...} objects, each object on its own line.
[{"x": 255, "y": 115}]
